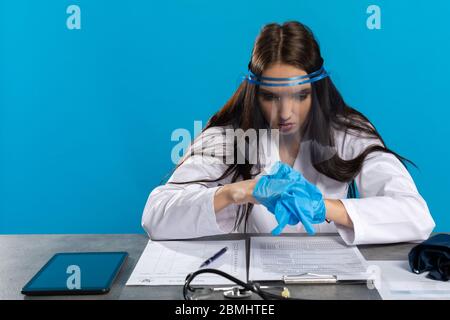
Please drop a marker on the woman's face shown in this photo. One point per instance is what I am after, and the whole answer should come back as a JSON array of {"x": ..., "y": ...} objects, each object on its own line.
[{"x": 285, "y": 108}]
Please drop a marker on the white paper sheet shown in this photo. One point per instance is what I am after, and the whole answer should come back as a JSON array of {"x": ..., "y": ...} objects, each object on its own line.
[
  {"x": 397, "y": 282},
  {"x": 169, "y": 262},
  {"x": 273, "y": 257}
]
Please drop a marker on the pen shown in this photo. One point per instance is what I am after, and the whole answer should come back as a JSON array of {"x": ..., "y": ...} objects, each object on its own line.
[{"x": 214, "y": 257}]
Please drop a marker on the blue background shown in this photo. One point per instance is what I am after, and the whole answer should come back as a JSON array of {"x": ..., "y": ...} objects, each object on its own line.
[{"x": 86, "y": 115}]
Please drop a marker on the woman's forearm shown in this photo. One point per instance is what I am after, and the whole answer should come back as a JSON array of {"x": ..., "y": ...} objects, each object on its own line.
[
  {"x": 228, "y": 194},
  {"x": 336, "y": 212},
  {"x": 222, "y": 198},
  {"x": 234, "y": 193}
]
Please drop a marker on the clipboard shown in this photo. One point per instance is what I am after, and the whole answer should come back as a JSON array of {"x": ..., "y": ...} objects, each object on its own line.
[{"x": 306, "y": 260}]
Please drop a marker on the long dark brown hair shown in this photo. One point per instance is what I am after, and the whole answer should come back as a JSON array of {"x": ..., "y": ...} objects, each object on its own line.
[{"x": 294, "y": 44}]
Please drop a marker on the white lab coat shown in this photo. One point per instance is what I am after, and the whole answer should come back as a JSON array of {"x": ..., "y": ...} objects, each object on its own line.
[{"x": 390, "y": 208}]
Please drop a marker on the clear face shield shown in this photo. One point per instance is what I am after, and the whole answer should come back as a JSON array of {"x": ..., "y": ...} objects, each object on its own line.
[{"x": 286, "y": 103}]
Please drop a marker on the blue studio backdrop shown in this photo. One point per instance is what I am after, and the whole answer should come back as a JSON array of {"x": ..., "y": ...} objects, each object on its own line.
[{"x": 88, "y": 103}]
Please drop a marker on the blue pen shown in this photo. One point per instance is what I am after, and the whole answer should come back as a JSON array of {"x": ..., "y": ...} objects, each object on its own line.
[{"x": 214, "y": 257}]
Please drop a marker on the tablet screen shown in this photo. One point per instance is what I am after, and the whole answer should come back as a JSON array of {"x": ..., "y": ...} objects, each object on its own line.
[{"x": 74, "y": 273}]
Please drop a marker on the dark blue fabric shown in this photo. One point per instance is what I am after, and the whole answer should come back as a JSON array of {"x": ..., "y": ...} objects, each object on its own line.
[{"x": 432, "y": 255}]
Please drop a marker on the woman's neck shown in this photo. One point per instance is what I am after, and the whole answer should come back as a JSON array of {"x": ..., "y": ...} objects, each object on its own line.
[
  {"x": 289, "y": 148},
  {"x": 290, "y": 141}
]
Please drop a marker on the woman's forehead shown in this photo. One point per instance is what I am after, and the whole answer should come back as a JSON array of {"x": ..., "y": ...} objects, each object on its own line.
[
  {"x": 280, "y": 70},
  {"x": 300, "y": 89}
]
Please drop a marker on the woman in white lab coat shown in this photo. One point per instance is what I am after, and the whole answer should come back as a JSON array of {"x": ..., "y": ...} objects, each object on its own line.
[{"x": 332, "y": 145}]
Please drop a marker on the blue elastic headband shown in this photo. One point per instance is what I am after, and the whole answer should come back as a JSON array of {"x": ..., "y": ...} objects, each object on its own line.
[{"x": 309, "y": 78}]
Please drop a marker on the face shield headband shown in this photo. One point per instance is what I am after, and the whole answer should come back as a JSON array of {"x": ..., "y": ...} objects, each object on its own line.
[{"x": 286, "y": 82}]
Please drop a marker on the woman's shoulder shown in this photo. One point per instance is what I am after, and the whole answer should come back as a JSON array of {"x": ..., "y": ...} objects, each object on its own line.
[
  {"x": 211, "y": 141},
  {"x": 212, "y": 135},
  {"x": 214, "y": 131}
]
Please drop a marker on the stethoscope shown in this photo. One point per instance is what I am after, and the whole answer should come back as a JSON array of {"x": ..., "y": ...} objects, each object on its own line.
[{"x": 240, "y": 291}]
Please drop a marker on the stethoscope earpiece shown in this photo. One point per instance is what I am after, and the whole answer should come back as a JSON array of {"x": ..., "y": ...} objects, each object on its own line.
[{"x": 237, "y": 293}]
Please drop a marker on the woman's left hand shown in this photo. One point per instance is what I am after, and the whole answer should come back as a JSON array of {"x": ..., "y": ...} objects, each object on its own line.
[{"x": 291, "y": 198}]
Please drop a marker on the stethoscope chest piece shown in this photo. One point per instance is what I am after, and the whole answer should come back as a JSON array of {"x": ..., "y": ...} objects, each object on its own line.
[{"x": 237, "y": 293}]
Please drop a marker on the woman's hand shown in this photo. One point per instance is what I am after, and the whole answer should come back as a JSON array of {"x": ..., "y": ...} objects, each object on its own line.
[
  {"x": 234, "y": 193},
  {"x": 337, "y": 213},
  {"x": 241, "y": 192}
]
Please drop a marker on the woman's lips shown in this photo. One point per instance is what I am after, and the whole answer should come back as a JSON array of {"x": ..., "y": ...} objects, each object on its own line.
[{"x": 285, "y": 126}]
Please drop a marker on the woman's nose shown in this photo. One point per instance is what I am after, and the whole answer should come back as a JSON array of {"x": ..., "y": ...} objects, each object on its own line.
[{"x": 285, "y": 110}]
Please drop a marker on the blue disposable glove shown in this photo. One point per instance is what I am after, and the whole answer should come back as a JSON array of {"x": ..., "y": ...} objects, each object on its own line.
[{"x": 290, "y": 197}]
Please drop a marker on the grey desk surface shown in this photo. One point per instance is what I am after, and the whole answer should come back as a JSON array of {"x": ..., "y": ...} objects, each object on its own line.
[{"x": 23, "y": 255}]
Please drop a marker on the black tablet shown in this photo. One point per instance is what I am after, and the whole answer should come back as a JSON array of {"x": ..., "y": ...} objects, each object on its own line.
[{"x": 76, "y": 273}]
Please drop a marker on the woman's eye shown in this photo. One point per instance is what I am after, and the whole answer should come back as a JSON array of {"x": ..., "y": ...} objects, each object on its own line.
[{"x": 301, "y": 97}]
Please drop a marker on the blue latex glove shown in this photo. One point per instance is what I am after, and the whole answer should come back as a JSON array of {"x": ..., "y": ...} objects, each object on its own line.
[{"x": 290, "y": 197}]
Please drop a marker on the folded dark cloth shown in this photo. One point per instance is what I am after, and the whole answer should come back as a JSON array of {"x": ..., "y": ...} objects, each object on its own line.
[{"x": 432, "y": 255}]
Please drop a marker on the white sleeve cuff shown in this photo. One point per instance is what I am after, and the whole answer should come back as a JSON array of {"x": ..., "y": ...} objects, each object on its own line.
[
  {"x": 207, "y": 208},
  {"x": 349, "y": 235}
]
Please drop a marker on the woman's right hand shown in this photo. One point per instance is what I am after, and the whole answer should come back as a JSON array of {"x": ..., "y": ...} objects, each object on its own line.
[{"x": 240, "y": 192}]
